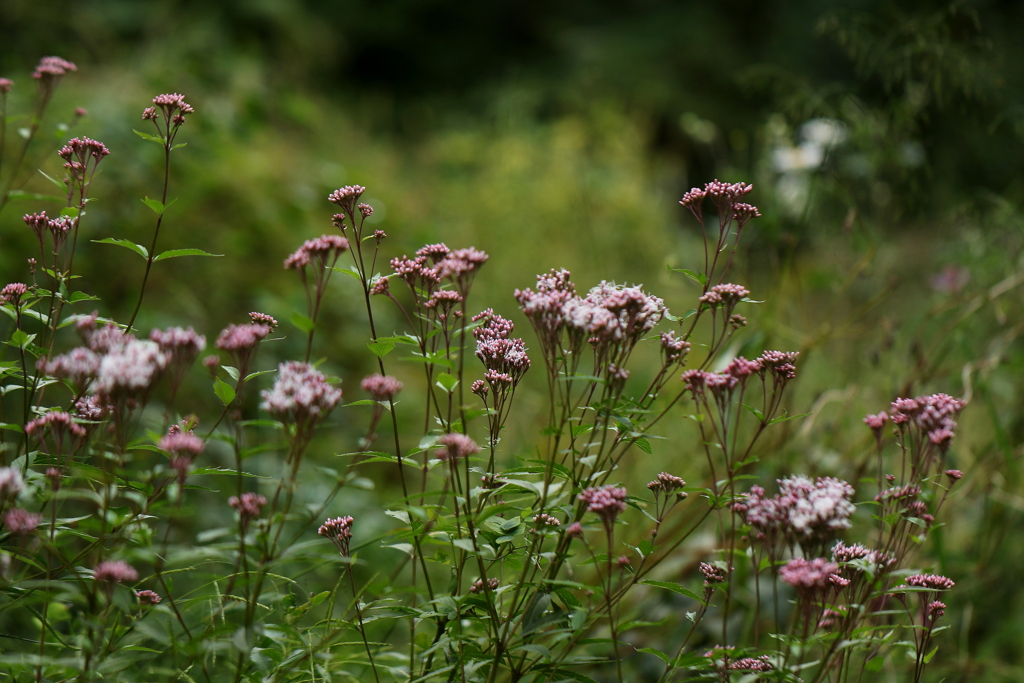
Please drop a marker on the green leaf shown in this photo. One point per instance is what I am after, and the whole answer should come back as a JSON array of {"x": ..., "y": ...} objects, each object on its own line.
[
  {"x": 675, "y": 588},
  {"x": 175, "y": 253},
  {"x": 35, "y": 197},
  {"x": 137, "y": 248},
  {"x": 303, "y": 322},
  {"x": 446, "y": 382},
  {"x": 657, "y": 653},
  {"x": 381, "y": 347},
  {"x": 644, "y": 445},
  {"x": 224, "y": 391},
  {"x": 62, "y": 186},
  {"x": 699, "y": 278},
  {"x": 71, "y": 211},
  {"x": 786, "y": 418},
  {"x": 156, "y": 205},
  {"x": 147, "y": 136}
]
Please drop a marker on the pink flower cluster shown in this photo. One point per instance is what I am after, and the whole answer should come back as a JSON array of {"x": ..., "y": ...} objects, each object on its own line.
[
  {"x": 51, "y": 69},
  {"x": 479, "y": 585},
  {"x": 115, "y": 571},
  {"x": 172, "y": 105},
  {"x": 804, "y": 511},
  {"x": 666, "y": 483},
  {"x": 435, "y": 263},
  {"x": 300, "y": 393},
  {"x": 504, "y": 358},
  {"x": 934, "y": 415},
  {"x": 56, "y": 422},
  {"x": 320, "y": 251},
  {"x": 606, "y": 501},
  {"x": 456, "y": 446},
  {"x": 248, "y": 505},
  {"x": 21, "y": 522},
  {"x": 381, "y": 387},
  {"x": 339, "y": 530},
  {"x": 934, "y": 582},
  {"x": 809, "y": 576}
]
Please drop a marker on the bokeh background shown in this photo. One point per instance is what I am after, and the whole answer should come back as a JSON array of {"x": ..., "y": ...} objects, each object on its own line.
[{"x": 884, "y": 139}]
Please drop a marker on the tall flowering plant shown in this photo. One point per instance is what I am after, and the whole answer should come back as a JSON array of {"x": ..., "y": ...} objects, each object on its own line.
[{"x": 500, "y": 561}]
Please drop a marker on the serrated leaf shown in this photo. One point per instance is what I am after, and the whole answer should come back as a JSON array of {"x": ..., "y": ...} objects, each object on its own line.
[
  {"x": 644, "y": 445},
  {"x": 175, "y": 253},
  {"x": 127, "y": 244},
  {"x": 381, "y": 347}
]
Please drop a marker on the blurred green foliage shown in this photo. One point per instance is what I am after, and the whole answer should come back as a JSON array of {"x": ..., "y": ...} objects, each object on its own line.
[{"x": 561, "y": 135}]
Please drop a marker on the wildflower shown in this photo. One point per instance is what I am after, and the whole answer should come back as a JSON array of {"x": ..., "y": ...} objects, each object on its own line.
[
  {"x": 346, "y": 197},
  {"x": 760, "y": 664},
  {"x": 131, "y": 370},
  {"x": 808, "y": 576},
  {"x": 51, "y": 69},
  {"x": 606, "y": 501},
  {"x": 673, "y": 350},
  {"x": 11, "y": 482},
  {"x": 300, "y": 393},
  {"x": 479, "y": 584},
  {"x": 241, "y": 341},
  {"x": 173, "y": 106},
  {"x": 184, "y": 344},
  {"x": 934, "y": 582},
  {"x": 936, "y": 609},
  {"x": 12, "y": 293},
  {"x": 574, "y": 530},
  {"x": 148, "y": 597},
  {"x": 954, "y": 475},
  {"x": 81, "y": 112},
  {"x": 743, "y": 213},
  {"x": 380, "y": 287},
  {"x": 319, "y": 250},
  {"x": 263, "y": 319},
  {"x": 379, "y": 236},
  {"x": 54, "y": 476},
  {"x": 456, "y": 446},
  {"x": 544, "y": 519},
  {"x": 365, "y": 209},
  {"x": 622, "y": 562},
  {"x": 666, "y": 482},
  {"x": 57, "y": 422},
  {"x": 181, "y": 443},
  {"x": 21, "y": 522},
  {"x": 115, "y": 571},
  {"x": 381, "y": 387},
  {"x": 780, "y": 364},
  {"x": 741, "y": 368},
  {"x": 828, "y": 618},
  {"x": 876, "y": 422},
  {"x": 79, "y": 366},
  {"x": 713, "y": 574},
  {"x": 5, "y": 85},
  {"x": 480, "y": 388},
  {"x": 248, "y": 505},
  {"x": 339, "y": 530}
]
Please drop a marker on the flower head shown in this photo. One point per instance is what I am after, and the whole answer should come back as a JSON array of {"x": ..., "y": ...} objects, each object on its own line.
[
  {"x": 248, "y": 505},
  {"x": 606, "y": 501},
  {"x": 381, "y": 387},
  {"x": 456, "y": 446},
  {"x": 339, "y": 530},
  {"x": 21, "y": 522},
  {"x": 115, "y": 571},
  {"x": 148, "y": 597},
  {"x": 301, "y": 393}
]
